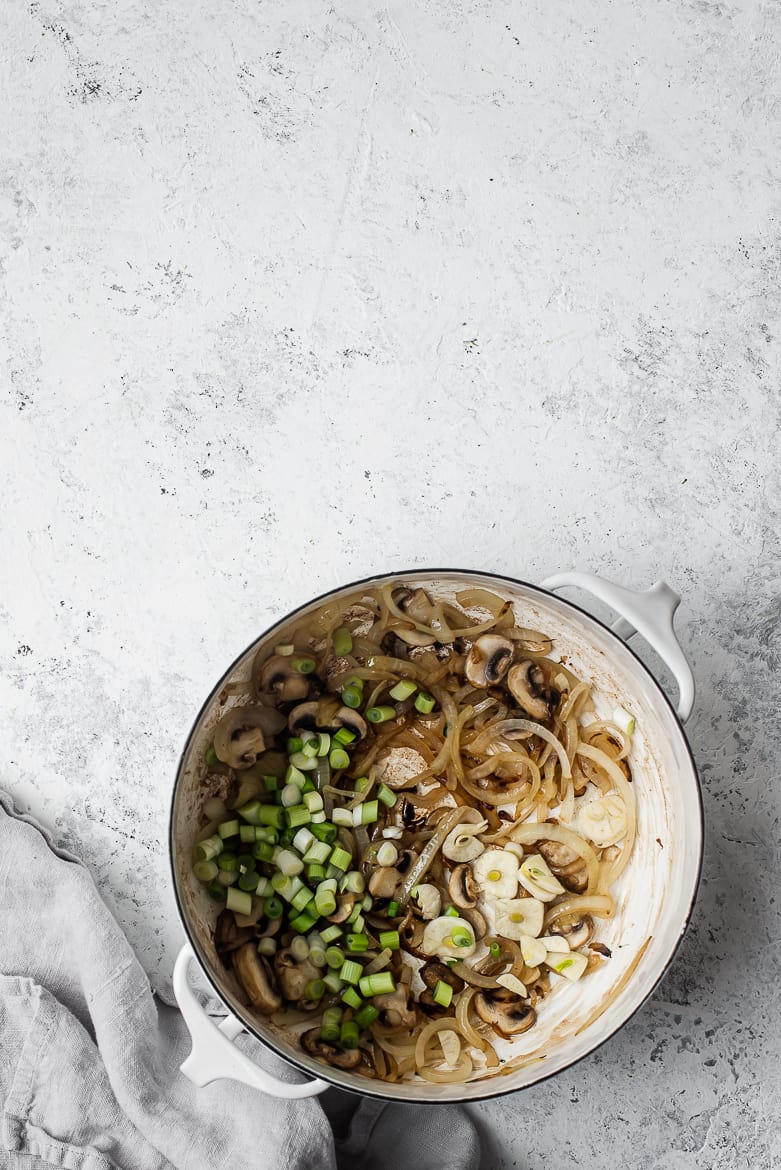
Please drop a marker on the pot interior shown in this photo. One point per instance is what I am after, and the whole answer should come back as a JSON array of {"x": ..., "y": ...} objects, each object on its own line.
[{"x": 654, "y": 895}]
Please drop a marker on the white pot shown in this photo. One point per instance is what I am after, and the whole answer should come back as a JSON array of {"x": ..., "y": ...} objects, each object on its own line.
[{"x": 654, "y": 896}]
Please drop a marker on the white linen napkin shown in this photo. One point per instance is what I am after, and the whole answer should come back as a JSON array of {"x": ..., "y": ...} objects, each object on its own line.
[{"x": 89, "y": 1057}]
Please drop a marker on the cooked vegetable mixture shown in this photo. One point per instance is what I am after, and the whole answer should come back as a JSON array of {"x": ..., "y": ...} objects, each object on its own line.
[{"x": 420, "y": 816}]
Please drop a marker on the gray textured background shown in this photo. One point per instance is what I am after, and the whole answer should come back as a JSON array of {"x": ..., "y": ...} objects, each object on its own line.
[{"x": 292, "y": 293}]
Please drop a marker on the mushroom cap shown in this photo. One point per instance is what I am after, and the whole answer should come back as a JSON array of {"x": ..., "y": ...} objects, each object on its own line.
[
  {"x": 293, "y": 975},
  {"x": 257, "y": 979},
  {"x": 526, "y": 681},
  {"x": 344, "y": 905},
  {"x": 433, "y": 973},
  {"x": 276, "y": 676},
  {"x": 411, "y": 931},
  {"x": 415, "y": 602},
  {"x": 504, "y": 1011},
  {"x": 352, "y": 720},
  {"x": 384, "y": 881},
  {"x": 303, "y": 717},
  {"x": 488, "y": 660},
  {"x": 462, "y": 887},
  {"x": 394, "y": 1008},
  {"x": 313, "y": 1043},
  {"x": 240, "y": 735},
  {"x": 325, "y": 715},
  {"x": 568, "y": 866},
  {"x": 228, "y": 936}
]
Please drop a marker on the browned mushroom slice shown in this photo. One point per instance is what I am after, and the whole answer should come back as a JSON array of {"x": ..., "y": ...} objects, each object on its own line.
[
  {"x": 567, "y": 866},
  {"x": 227, "y": 935},
  {"x": 277, "y": 677},
  {"x": 429, "y": 1005},
  {"x": 344, "y": 906},
  {"x": 434, "y": 973},
  {"x": 257, "y": 979},
  {"x": 240, "y": 735},
  {"x": 526, "y": 683},
  {"x": 506, "y": 1013},
  {"x": 313, "y": 1043},
  {"x": 415, "y": 602},
  {"x": 488, "y": 660},
  {"x": 462, "y": 887},
  {"x": 411, "y": 933},
  {"x": 325, "y": 714},
  {"x": 294, "y": 976},
  {"x": 384, "y": 882},
  {"x": 576, "y": 930},
  {"x": 394, "y": 1008}
]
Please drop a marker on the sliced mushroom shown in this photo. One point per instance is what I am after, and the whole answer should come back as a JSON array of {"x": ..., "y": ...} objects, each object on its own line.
[
  {"x": 383, "y": 882},
  {"x": 393, "y": 646},
  {"x": 429, "y": 1005},
  {"x": 507, "y": 1014},
  {"x": 462, "y": 887},
  {"x": 313, "y": 1043},
  {"x": 227, "y": 935},
  {"x": 394, "y": 1008},
  {"x": 293, "y": 975},
  {"x": 325, "y": 715},
  {"x": 476, "y": 920},
  {"x": 257, "y": 979},
  {"x": 344, "y": 906},
  {"x": 415, "y": 602},
  {"x": 411, "y": 932},
  {"x": 488, "y": 660},
  {"x": 569, "y": 867},
  {"x": 303, "y": 718},
  {"x": 239, "y": 737},
  {"x": 351, "y": 720},
  {"x": 577, "y": 932},
  {"x": 434, "y": 973},
  {"x": 278, "y": 678},
  {"x": 526, "y": 683}
]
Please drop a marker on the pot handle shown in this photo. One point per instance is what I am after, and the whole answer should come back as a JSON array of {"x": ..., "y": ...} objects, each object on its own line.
[
  {"x": 214, "y": 1054},
  {"x": 649, "y": 613}
]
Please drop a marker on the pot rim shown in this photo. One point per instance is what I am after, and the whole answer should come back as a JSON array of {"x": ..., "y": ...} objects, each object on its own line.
[{"x": 400, "y": 575}]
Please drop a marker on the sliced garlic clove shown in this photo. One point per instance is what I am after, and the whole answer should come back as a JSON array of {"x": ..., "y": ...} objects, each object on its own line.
[
  {"x": 533, "y": 950},
  {"x": 512, "y": 983},
  {"x": 516, "y": 917},
  {"x": 571, "y": 966},
  {"x": 496, "y": 873},
  {"x": 449, "y": 938},
  {"x": 535, "y": 876},
  {"x": 555, "y": 942}
]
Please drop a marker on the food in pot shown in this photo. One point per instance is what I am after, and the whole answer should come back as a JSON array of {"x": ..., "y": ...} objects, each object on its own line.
[{"x": 421, "y": 817}]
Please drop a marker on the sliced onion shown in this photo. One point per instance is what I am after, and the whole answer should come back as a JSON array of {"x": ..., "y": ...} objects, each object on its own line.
[{"x": 428, "y": 854}]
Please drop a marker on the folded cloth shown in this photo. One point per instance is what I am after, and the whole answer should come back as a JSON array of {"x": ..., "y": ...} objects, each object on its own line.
[{"x": 89, "y": 1057}]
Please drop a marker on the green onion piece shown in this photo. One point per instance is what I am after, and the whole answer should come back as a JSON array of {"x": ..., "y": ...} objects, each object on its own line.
[
  {"x": 262, "y": 851},
  {"x": 356, "y": 943},
  {"x": 342, "y": 642},
  {"x": 272, "y": 907},
  {"x": 367, "y": 902},
  {"x": 251, "y": 812},
  {"x": 270, "y": 783},
  {"x": 354, "y": 882},
  {"x": 443, "y": 993},
  {"x": 298, "y": 815},
  {"x": 272, "y": 814},
  {"x": 389, "y": 940},
  {"x": 309, "y": 750},
  {"x": 323, "y": 743},
  {"x": 381, "y": 983},
  {"x": 334, "y": 957},
  {"x": 349, "y": 1036},
  {"x": 262, "y": 887},
  {"x": 313, "y": 801},
  {"x": 294, "y": 775},
  {"x": 288, "y": 862},
  {"x": 249, "y": 881},
  {"x": 285, "y": 649},
  {"x": 451, "y": 912},
  {"x": 354, "y": 913},
  {"x": 308, "y": 785},
  {"x": 209, "y": 849},
  {"x": 319, "y": 852},
  {"x": 342, "y": 816},
  {"x": 239, "y": 900},
  {"x": 380, "y": 714},
  {"x": 352, "y": 697},
  {"x": 317, "y": 956},
  {"x": 286, "y": 837},
  {"x": 330, "y": 1023},
  {"x": 330, "y": 933},
  {"x": 370, "y": 811},
  {"x": 303, "y": 922},
  {"x": 351, "y": 971},
  {"x": 267, "y": 946},
  {"x": 338, "y": 759},
  {"x": 361, "y": 784},
  {"x": 461, "y": 937},
  {"x": 333, "y": 982},
  {"x": 216, "y": 890},
  {"x": 325, "y": 902},
  {"x": 247, "y": 833},
  {"x": 265, "y": 833},
  {"x": 314, "y": 872},
  {"x": 315, "y": 989},
  {"x": 359, "y": 923},
  {"x": 343, "y": 736},
  {"x": 403, "y": 690},
  {"x": 291, "y": 794},
  {"x": 303, "y": 763},
  {"x": 351, "y": 997},
  {"x": 366, "y": 1015},
  {"x": 301, "y": 664},
  {"x": 340, "y": 858},
  {"x": 211, "y": 757},
  {"x": 227, "y": 877},
  {"x": 302, "y": 840},
  {"x": 302, "y": 900},
  {"x": 393, "y": 910},
  {"x": 294, "y": 744},
  {"x": 205, "y": 871},
  {"x": 228, "y": 861},
  {"x": 495, "y": 950},
  {"x": 228, "y": 829},
  {"x": 425, "y": 703},
  {"x": 325, "y": 832},
  {"x": 299, "y": 948},
  {"x": 386, "y": 795}
]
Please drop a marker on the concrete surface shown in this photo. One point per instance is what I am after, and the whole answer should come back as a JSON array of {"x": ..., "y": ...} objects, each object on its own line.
[{"x": 291, "y": 293}]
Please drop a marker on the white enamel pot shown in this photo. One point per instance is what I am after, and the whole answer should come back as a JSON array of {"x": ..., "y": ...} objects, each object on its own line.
[{"x": 655, "y": 895}]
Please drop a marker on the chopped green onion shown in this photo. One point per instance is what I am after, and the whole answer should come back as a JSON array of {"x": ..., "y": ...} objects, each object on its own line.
[
  {"x": 358, "y": 923},
  {"x": 294, "y": 775},
  {"x": 299, "y": 948},
  {"x": 393, "y": 910},
  {"x": 239, "y": 900},
  {"x": 338, "y": 759},
  {"x": 265, "y": 833},
  {"x": 272, "y": 814},
  {"x": 361, "y": 784},
  {"x": 624, "y": 720},
  {"x": 334, "y": 957},
  {"x": 325, "y": 832},
  {"x": 356, "y": 943},
  {"x": 302, "y": 840},
  {"x": 354, "y": 882},
  {"x": 267, "y": 946},
  {"x": 211, "y": 757},
  {"x": 291, "y": 794},
  {"x": 342, "y": 642},
  {"x": 216, "y": 890},
  {"x": 366, "y": 813},
  {"x": 495, "y": 950},
  {"x": 461, "y": 937},
  {"x": 262, "y": 886},
  {"x": 333, "y": 982},
  {"x": 387, "y": 796},
  {"x": 325, "y": 902},
  {"x": 318, "y": 817},
  {"x": 317, "y": 956},
  {"x": 343, "y": 736},
  {"x": 205, "y": 871},
  {"x": 349, "y": 1035},
  {"x": 403, "y": 690},
  {"x": 228, "y": 829},
  {"x": 389, "y": 940},
  {"x": 366, "y": 1015},
  {"x": 314, "y": 872},
  {"x": 330, "y": 933},
  {"x": 323, "y": 743},
  {"x": 350, "y": 971},
  {"x": 382, "y": 983},
  {"x": 251, "y": 812},
  {"x": 313, "y": 801},
  {"x": 285, "y": 649},
  {"x": 451, "y": 912},
  {"x": 352, "y": 697},
  {"x": 246, "y": 833},
  {"x": 294, "y": 744},
  {"x": 443, "y": 993},
  {"x": 351, "y": 997},
  {"x": 298, "y": 815},
  {"x": 209, "y": 849},
  {"x": 227, "y": 877},
  {"x": 342, "y": 816},
  {"x": 315, "y": 989},
  {"x": 380, "y": 714},
  {"x": 262, "y": 851},
  {"x": 303, "y": 763},
  {"x": 340, "y": 858},
  {"x": 425, "y": 703},
  {"x": 309, "y": 750},
  {"x": 249, "y": 881},
  {"x": 270, "y": 783},
  {"x": 286, "y": 837},
  {"x": 367, "y": 902},
  {"x": 289, "y": 863},
  {"x": 387, "y": 854},
  {"x": 228, "y": 861},
  {"x": 330, "y": 1023},
  {"x": 303, "y": 900},
  {"x": 318, "y": 853},
  {"x": 302, "y": 664},
  {"x": 303, "y": 922}
]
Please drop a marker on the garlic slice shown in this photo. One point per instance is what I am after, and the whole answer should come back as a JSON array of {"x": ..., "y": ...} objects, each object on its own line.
[
  {"x": 571, "y": 966},
  {"x": 535, "y": 876},
  {"x": 556, "y": 943},
  {"x": 451, "y": 1046},
  {"x": 533, "y": 950},
  {"x": 516, "y": 917},
  {"x": 449, "y": 938},
  {"x": 512, "y": 983},
  {"x": 496, "y": 872},
  {"x": 603, "y": 821},
  {"x": 462, "y": 844}
]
